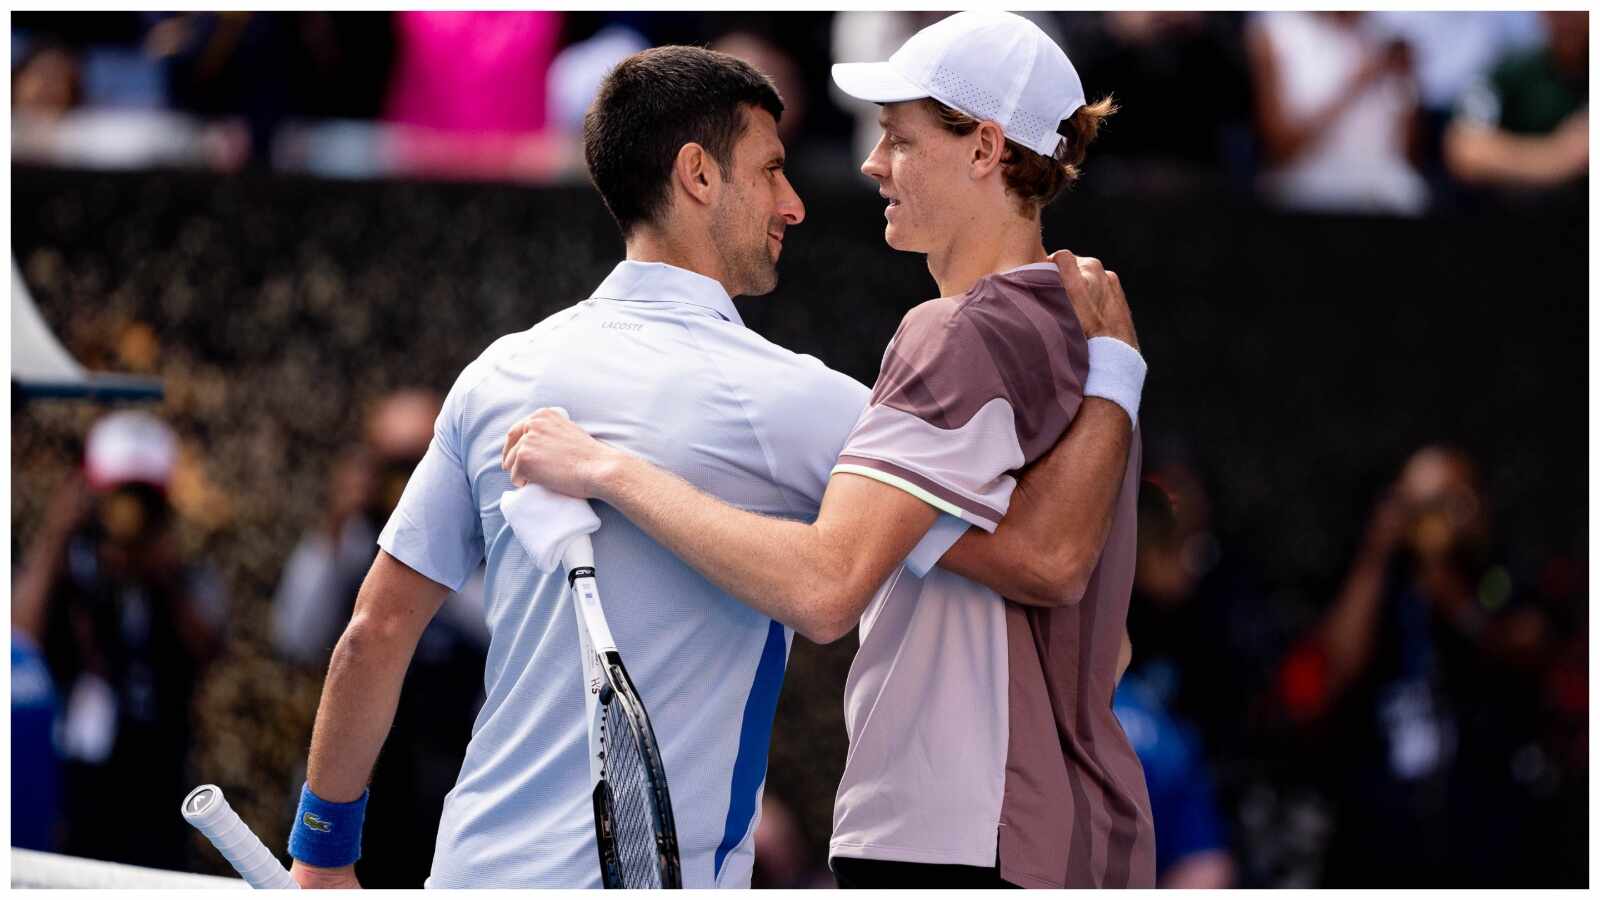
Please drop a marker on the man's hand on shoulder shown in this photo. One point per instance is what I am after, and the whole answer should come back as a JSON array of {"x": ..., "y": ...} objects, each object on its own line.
[
  {"x": 317, "y": 878},
  {"x": 547, "y": 449},
  {"x": 1097, "y": 298}
]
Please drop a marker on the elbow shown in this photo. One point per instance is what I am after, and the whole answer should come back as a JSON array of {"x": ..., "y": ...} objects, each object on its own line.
[
  {"x": 825, "y": 632},
  {"x": 1059, "y": 579},
  {"x": 834, "y": 615},
  {"x": 367, "y": 636}
]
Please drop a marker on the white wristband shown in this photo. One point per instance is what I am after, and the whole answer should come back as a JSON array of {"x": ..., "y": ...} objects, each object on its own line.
[{"x": 1116, "y": 373}]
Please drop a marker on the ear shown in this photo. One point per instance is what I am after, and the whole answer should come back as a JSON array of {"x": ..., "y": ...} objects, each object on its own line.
[
  {"x": 988, "y": 150},
  {"x": 696, "y": 172}
]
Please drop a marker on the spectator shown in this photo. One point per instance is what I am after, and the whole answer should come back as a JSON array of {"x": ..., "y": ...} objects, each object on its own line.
[
  {"x": 35, "y": 705},
  {"x": 35, "y": 769},
  {"x": 776, "y": 64},
  {"x": 1423, "y": 680},
  {"x": 473, "y": 72},
  {"x": 1454, "y": 50},
  {"x": 1527, "y": 123},
  {"x": 444, "y": 686},
  {"x": 1200, "y": 628},
  {"x": 46, "y": 82},
  {"x": 471, "y": 90},
  {"x": 1336, "y": 109},
  {"x": 1191, "y": 839},
  {"x": 270, "y": 68},
  {"x": 128, "y": 626},
  {"x": 1205, "y": 638},
  {"x": 576, "y": 73}
]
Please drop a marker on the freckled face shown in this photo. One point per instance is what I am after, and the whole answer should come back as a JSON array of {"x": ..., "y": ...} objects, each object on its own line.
[{"x": 920, "y": 171}]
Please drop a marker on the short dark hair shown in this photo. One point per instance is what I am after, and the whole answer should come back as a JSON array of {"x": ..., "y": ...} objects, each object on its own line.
[{"x": 652, "y": 104}]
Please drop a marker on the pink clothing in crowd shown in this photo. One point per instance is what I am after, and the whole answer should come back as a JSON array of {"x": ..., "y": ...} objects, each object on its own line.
[{"x": 472, "y": 72}]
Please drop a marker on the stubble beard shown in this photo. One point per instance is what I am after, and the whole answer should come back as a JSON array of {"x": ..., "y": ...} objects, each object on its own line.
[{"x": 751, "y": 271}]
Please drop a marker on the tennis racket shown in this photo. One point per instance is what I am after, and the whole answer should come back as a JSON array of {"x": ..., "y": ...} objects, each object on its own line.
[
  {"x": 632, "y": 810},
  {"x": 207, "y": 810}
]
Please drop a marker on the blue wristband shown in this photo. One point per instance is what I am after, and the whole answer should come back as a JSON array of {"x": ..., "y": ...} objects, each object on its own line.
[{"x": 327, "y": 834}]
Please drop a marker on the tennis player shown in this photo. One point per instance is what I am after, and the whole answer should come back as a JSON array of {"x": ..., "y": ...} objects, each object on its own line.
[
  {"x": 682, "y": 145},
  {"x": 983, "y": 748}
]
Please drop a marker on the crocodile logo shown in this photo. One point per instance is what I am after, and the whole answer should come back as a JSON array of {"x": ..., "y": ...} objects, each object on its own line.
[{"x": 317, "y": 823}]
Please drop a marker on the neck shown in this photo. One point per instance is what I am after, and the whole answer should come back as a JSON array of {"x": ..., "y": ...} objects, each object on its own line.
[
  {"x": 983, "y": 248},
  {"x": 648, "y": 244}
]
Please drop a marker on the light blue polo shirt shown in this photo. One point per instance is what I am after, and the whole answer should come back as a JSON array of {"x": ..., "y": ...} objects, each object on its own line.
[{"x": 658, "y": 362}]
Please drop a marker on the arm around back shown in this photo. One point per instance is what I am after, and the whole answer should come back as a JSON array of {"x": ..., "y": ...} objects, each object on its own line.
[{"x": 1047, "y": 546}]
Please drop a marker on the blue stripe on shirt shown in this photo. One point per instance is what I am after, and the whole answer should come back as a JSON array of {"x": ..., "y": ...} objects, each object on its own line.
[{"x": 750, "y": 765}]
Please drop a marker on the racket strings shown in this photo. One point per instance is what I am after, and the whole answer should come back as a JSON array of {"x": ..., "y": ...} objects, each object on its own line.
[{"x": 632, "y": 819}]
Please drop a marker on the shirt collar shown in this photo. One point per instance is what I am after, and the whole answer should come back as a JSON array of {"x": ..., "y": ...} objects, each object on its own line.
[
  {"x": 656, "y": 281},
  {"x": 1030, "y": 267}
]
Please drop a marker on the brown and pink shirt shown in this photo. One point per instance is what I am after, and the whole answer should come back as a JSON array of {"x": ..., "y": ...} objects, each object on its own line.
[{"x": 981, "y": 731}]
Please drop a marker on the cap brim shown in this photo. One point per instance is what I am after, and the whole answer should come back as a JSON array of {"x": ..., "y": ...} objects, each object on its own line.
[{"x": 876, "y": 82}]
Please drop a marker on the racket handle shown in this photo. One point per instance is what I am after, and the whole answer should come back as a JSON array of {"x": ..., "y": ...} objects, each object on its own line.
[
  {"x": 579, "y": 552},
  {"x": 208, "y": 811}
]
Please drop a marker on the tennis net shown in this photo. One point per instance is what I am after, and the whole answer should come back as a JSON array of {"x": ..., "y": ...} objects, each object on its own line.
[{"x": 32, "y": 869}]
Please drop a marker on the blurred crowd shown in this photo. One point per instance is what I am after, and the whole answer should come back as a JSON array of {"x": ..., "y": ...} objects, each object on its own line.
[
  {"x": 1424, "y": 724},
  {"x": 1426, "y": 729},
  {"x": 113, "y": 627},
  {"x": 1386, "y": 112}
]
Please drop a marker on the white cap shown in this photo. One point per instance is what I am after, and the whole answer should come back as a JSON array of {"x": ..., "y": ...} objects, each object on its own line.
[
  {"x": 994, "y": 66},
  {"x": 130, "y": 446}
]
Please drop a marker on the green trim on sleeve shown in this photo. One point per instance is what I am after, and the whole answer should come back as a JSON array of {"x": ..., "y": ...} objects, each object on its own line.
[{"x": 940, "y": 504}]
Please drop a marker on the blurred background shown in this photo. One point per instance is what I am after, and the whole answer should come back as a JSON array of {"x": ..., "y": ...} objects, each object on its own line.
[{"x": 1356, "y": 249}]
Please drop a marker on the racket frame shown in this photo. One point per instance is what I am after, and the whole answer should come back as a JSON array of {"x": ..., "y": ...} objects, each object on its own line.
[{"x": 606, "y": 682}]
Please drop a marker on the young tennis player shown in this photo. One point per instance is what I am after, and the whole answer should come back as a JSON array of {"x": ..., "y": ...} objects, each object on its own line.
[{"x": 983, "y": 749}]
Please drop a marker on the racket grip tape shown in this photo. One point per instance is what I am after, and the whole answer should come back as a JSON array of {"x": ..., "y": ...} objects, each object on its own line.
[{"x": 208, "y": 811}]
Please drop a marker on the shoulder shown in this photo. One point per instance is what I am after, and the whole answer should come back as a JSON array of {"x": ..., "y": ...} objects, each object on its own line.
[
  {"x": 783, "y": 379},
  {"x": 937, "y": 329},
  {"x": 761, "y": 358},
  {"x": 502, "y": 351},
  {"x": 1022, "y": 321},
  {"x": 932, "y": 318}
]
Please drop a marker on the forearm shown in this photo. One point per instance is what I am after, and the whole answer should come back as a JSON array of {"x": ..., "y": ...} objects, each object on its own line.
[
  {"x": 366, "y": 672},
  {"x": 1485, "y": 154},
  {"x": 1061, "y": 512},
  {"x": 359, "y": 699},
  {"x": 786, "y": 570},
  {"x": 1347, "y": 633},
  {"x": 31, "y": 592}
]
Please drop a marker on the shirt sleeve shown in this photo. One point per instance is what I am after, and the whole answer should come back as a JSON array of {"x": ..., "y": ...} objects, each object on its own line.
[
  {"x": 436, "y": 529},
  {"x": 946, "y": 530},
  {"x": 962, "y": 391}
]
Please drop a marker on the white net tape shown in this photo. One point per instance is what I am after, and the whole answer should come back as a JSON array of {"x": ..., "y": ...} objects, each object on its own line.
[{"x": 31, "y": 869}]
